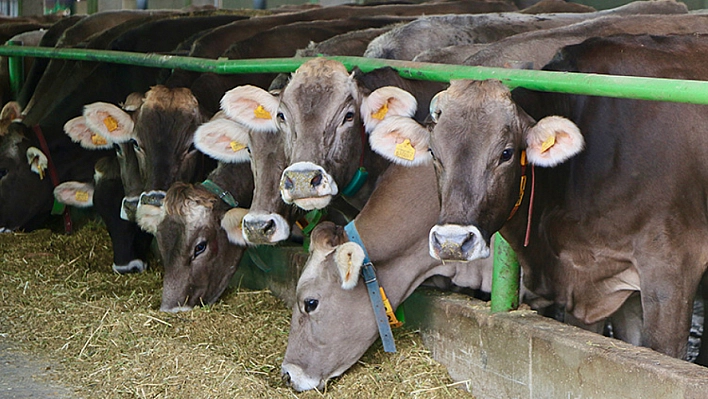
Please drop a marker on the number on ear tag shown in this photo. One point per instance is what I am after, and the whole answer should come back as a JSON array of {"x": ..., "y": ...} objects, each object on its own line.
[
  {"x": 81, "y": 196},
  {"x": 236, "y": 146},
  {"x": 405, "y": 150},
  {"x": 261, "y": 113},
  {"x": 110, "y": 123},
  {"x": 99, "y": 140}
]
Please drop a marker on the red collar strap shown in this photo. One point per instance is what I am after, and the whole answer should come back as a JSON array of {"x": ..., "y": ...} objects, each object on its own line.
[
  {"x": 522, "y": 189},
  {"x": 68, "y": 228}
]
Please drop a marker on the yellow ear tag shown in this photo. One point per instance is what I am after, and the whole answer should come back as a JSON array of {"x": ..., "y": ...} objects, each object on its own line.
[
  {"x": 99, "y": 140},
  {"x": 81, "y": 196},
  {"x": 405, "y": 150},
  {"x": 110, "y": 123},
  {"x": 392, "y": 319},
  {"x": 236, "y": 146},
  {"x": 40, "y": 172},
  {"x": 381, "y": 113},
  {"x": 261, "y": 113},
  {"x": 548, "y": 143}
]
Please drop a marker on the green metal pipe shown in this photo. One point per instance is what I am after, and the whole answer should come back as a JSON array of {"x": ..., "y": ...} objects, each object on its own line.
[
  {"x": 15, "y": 66},
  {"x": 505, "y": 278},
  {"x": 685, "y": 91}
]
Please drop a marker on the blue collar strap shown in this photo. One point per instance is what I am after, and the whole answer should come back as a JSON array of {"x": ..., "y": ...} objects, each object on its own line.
[
  {"x": 220, "y": 192},
  {"x": 372, "y": 286}
]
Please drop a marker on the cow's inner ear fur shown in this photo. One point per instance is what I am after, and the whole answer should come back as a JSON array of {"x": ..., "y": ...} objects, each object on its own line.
[
  {"x": 553, "y": 140},
  {"x": 231, "y": 223},
  {"x": 349, "y": 258},
  {"x": 223, "y": 140},
  {"x": 109, "y": 121}
]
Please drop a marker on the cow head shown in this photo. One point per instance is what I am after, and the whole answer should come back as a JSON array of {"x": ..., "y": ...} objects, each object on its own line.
[
  {"x": 224, "y": 139},
  {"x": 333, "y": 322},
  {"x": 321, "y": 344},
  {"x": 321, "y": 114},
  {"x": 477, "y": 144},
  {"x": 160, "y": 131},
  {"x": 197, "y": 251},
  {"x": 25, "y": 186}
]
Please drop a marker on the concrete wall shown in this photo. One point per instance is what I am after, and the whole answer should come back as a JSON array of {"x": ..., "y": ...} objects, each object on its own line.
[{"x": 523, "y": 355}]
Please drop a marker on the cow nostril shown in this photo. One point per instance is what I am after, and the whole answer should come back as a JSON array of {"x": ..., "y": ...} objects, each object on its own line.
[
  {"x": 468, "y": 243},
  {"x": 288, "y": 185},
  {"x": 317, "y": 180},
  {"x": 269, "y": 226},
  {"x": 286, "y": 378}
]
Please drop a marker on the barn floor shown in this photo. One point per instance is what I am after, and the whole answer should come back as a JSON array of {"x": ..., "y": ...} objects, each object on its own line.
[{"x": 70, "y": 322}]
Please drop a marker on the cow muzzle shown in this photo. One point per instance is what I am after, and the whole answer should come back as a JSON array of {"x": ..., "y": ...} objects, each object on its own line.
[
  {"x": 128, "y": 208},
  {"x": 294, "y": 377},
  {"x": 259, "y": 229},
  {"x": 150, "y": 212},
  {"x": 451, "y": 242},
  {"x": 307, "y": 185}
]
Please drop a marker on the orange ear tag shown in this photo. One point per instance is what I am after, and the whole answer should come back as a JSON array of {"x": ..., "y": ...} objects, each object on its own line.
[
  {"x": 236, "y": 146},
  {"x": 81, "y": 196},
  {"x": 548, "y": 143},
  {"x": 405, "y": 150},
  {"x": 381, "y": 113},
  {"x": 261, "y": 113},
  {"x": 110, "y": 123},
  {"x": 98, "y": 140}
]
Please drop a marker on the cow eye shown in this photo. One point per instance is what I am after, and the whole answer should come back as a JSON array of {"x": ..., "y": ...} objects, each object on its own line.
[
  {"x": 311, "y": 305},
  {"x": 3, "y": 173},
  {"x": 119, "y": 151},
  {"x": 199, "y": 249},
  {"x": 348, "y": 117},
  {"x": 281, "y": 117},
  {"x": 432, "y": 154},
  {"x": 506, "y": 155}
]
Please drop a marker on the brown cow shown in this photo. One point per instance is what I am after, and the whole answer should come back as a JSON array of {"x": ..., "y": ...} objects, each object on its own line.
[
  {"x": 617, "y": 210},
  {"x": 333, "y": 322}
]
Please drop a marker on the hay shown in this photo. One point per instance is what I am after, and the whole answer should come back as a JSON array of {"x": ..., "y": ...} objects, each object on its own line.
[{"x": 107, "y": 336}]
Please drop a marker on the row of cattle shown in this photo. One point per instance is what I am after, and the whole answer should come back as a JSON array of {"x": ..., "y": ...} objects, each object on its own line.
[{"x": 609, "y": 226}]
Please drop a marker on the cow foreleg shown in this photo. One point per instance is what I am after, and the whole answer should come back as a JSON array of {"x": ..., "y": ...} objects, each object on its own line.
[
  {"x": 667, "y": 309},
  {"x": 130, "y": 244}
]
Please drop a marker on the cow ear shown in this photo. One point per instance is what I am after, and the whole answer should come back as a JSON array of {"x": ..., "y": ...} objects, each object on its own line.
[
  {"x": 349, "y": 258},
  {"x": 401, "y": 140},
  {"x": 37, "y": 161},
  {"x": 252, "y": 107},
  {"x": 231, "y": 223},
  {"x": 150, "y": 216},
  {"x": 80, "y": 133},
  {"x": 109, "y": 121},
  {"x": 553, "y": 140},
  {"x": 386, "y": 102},
  {"x": 11, "y": 111},
  {"x": 133, "y": 102},
  {"x": 74, "y": 193},
  {"x": 223, "y": 140}
]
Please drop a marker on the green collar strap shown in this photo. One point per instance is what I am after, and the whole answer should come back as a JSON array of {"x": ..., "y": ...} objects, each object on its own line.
[{"x": 220, "y": 192}]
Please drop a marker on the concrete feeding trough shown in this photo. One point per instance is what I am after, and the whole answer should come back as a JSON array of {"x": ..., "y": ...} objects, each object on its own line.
[{"x": 518, "y": 354}]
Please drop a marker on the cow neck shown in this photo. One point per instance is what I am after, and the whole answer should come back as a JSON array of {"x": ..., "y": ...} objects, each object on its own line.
[
  {"x": 383, "y": 311},
  {"x": 223, "y": 195},
  {"x": 522, "y": 189},
  {"x": 57, "y": 207}
]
